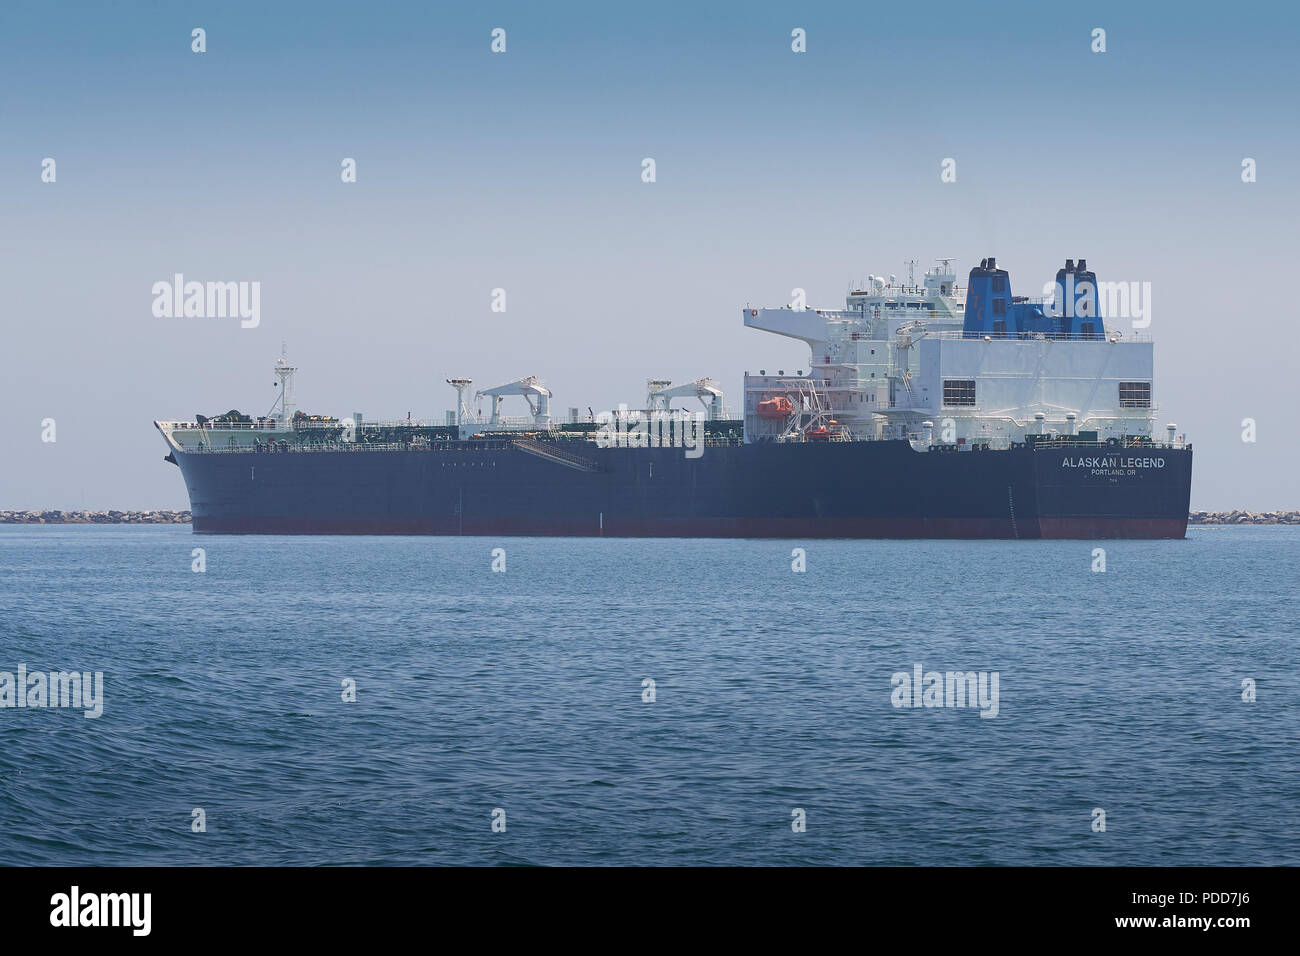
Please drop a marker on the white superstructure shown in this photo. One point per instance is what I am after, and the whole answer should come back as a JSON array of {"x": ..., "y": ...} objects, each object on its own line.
[{"x": 900, "y": 361}]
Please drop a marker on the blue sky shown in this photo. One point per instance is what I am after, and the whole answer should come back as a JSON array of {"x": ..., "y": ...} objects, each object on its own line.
[{"x": 521, "y": 171}]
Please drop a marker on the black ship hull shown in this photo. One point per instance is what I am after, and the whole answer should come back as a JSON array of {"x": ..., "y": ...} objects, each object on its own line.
[{"x": 879, "y": 489}]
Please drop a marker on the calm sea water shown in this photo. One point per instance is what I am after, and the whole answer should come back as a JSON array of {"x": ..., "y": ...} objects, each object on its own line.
[{"x": 523, "y": 691}]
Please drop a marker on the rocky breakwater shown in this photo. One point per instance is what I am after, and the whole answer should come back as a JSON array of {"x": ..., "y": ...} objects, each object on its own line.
[
  {"x": 94, "y": 517},
  {"x": 1244, "y": 517}
]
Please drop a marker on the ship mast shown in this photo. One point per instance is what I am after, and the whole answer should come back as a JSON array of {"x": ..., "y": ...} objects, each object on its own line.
[
  {"x": 284, "y": 371},
  {"x": 463, "y": 415}
]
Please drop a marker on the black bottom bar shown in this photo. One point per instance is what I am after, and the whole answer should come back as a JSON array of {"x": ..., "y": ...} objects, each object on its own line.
[{"x": 949, "y": 908}]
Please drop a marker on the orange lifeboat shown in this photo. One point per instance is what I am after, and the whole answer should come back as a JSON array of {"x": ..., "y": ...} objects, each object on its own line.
[
  {"x": 820, "y": 433},
  {"x": 776, "y": 408}
]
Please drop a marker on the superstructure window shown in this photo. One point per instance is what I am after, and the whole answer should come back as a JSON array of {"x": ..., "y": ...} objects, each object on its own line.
[
  {"x": 999, "y": 283},
  {"x": 1134, "y": 394},
  {"x": 999, "y": 306},
  {"x": 959, "y": 391}
]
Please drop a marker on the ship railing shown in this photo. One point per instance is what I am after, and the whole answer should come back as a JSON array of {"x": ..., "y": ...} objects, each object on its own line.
[
  {"x": 347, "y": 422},
  {"x": 1116, "y": 335},
  {"x": 360, "y": 447},
  {"x": 515, "y": 421},
  {"x": 558, "y": 447},
  {"x": 503, "y": 425},
  {"x": 212, "y": 425},
  {"x": 1066, "y": 441}
]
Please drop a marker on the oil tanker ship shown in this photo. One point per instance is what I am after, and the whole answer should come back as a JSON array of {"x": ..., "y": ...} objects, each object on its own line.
[{"x": 928, "y": 410}]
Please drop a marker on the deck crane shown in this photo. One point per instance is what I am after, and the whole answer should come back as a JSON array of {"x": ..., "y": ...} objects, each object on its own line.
[
  {"x": 705, "y": 389},
  {"x": 531, "y": 388}
]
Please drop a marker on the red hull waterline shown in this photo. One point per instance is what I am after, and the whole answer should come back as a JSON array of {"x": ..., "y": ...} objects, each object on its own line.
[{"x": 1083, "y": 528}]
